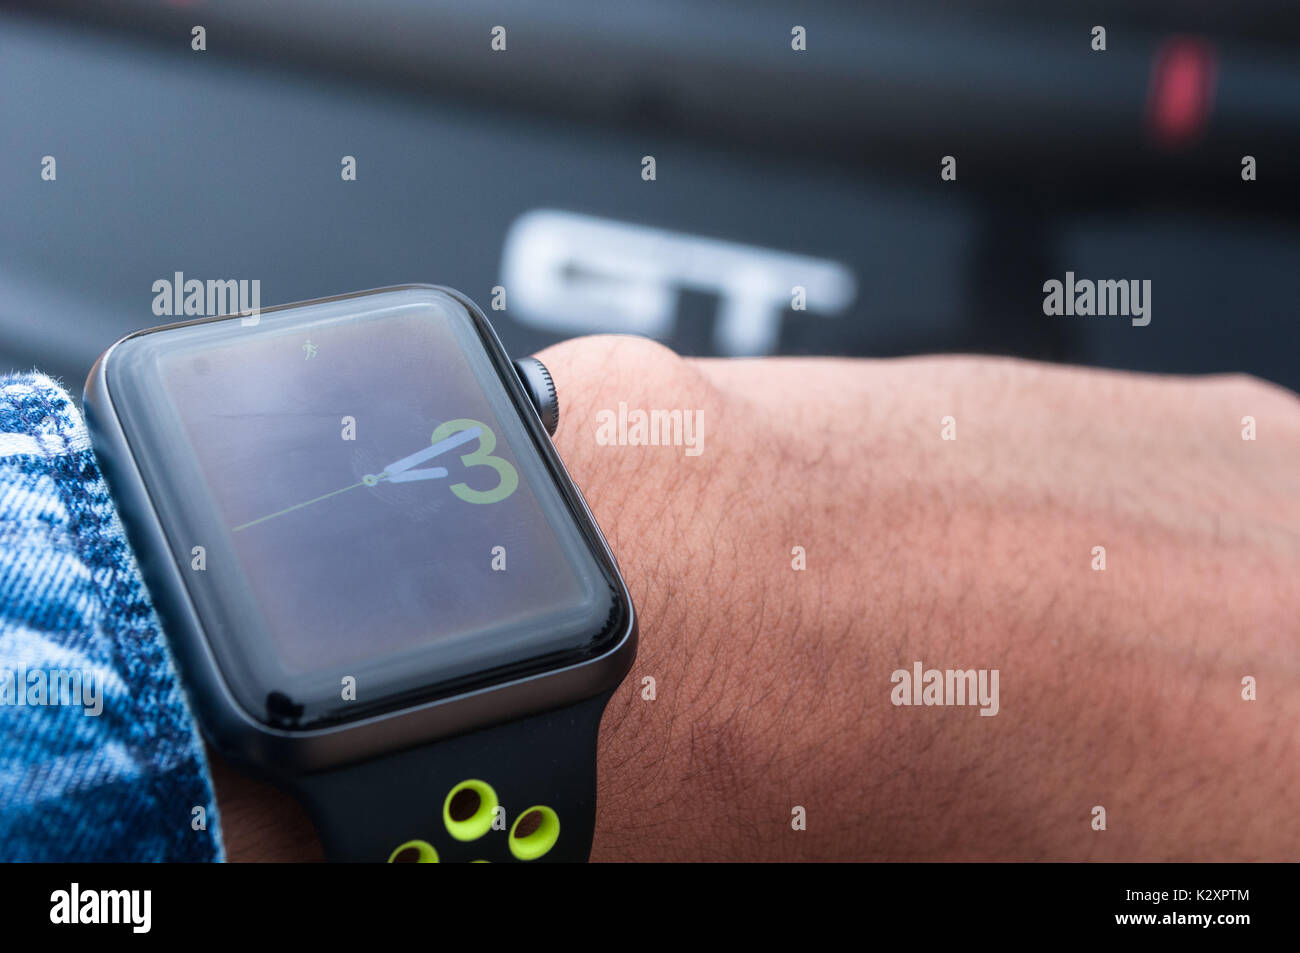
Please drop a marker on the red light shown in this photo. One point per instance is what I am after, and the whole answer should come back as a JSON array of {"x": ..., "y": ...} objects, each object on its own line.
[{"x": 1182, "y": 89}]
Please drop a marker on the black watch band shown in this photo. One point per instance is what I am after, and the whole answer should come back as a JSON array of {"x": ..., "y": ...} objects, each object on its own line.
[{"x": 439, "y": 802}]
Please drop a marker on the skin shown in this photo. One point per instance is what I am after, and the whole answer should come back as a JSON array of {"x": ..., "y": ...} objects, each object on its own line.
[{"x": 1120, "y": 688}]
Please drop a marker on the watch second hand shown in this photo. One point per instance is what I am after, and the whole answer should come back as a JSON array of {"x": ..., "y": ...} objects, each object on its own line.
[
  {"x": 399, "y": 472},
  {"x": 296, "y": 506}
]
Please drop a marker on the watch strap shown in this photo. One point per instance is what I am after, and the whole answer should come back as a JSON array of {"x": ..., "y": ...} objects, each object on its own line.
[{"x": 523, "y": 790}]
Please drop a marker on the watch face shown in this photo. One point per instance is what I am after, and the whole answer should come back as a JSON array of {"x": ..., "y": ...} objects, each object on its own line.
[{"x": 362, "y": 517}]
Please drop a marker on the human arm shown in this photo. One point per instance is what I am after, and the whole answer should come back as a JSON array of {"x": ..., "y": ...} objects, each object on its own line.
[{"x": 1119, "y": 687}]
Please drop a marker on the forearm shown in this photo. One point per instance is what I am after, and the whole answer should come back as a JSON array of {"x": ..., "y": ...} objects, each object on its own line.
[
  {"x": 772, "y": 686},
  {"x": 1119, "y": 688}
]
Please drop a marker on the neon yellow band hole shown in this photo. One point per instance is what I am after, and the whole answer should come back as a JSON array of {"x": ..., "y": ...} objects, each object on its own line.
[
  {"x": 414, "y": 852},
  {"x": 468, "y": 810},
  {"x": 534, "y": 845}
]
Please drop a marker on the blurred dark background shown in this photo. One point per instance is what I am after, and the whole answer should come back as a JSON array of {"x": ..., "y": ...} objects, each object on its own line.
[{"x": 523, "y": 168}]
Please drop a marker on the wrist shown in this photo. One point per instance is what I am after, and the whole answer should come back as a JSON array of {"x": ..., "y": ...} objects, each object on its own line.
[{"x": 699, "y": 741}]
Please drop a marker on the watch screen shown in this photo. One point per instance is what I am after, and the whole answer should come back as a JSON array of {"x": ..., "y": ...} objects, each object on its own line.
[{"x": 359, "y": 511}]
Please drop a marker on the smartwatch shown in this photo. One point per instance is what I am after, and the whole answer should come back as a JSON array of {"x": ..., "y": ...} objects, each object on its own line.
[{"x": 381, "y": 588}]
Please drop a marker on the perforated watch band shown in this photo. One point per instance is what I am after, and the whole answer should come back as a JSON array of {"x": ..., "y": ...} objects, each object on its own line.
[{"x": 519, "y": 791}]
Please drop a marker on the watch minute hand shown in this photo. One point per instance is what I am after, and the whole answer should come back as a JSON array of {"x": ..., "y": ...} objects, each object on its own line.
[{"x": 397, "y": 471}]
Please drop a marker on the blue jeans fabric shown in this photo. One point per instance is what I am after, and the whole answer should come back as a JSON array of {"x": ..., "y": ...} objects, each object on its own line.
[{"x": 122, "y": 785}]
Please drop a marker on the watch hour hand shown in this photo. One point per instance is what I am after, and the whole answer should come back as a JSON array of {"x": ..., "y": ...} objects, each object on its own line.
[
  {"x": 401, "y": 470},
  {"x": 410, "y": 476}
]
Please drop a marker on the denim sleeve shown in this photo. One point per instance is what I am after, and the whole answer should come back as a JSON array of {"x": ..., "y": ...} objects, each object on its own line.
[{"x": 99, "y": 756}]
